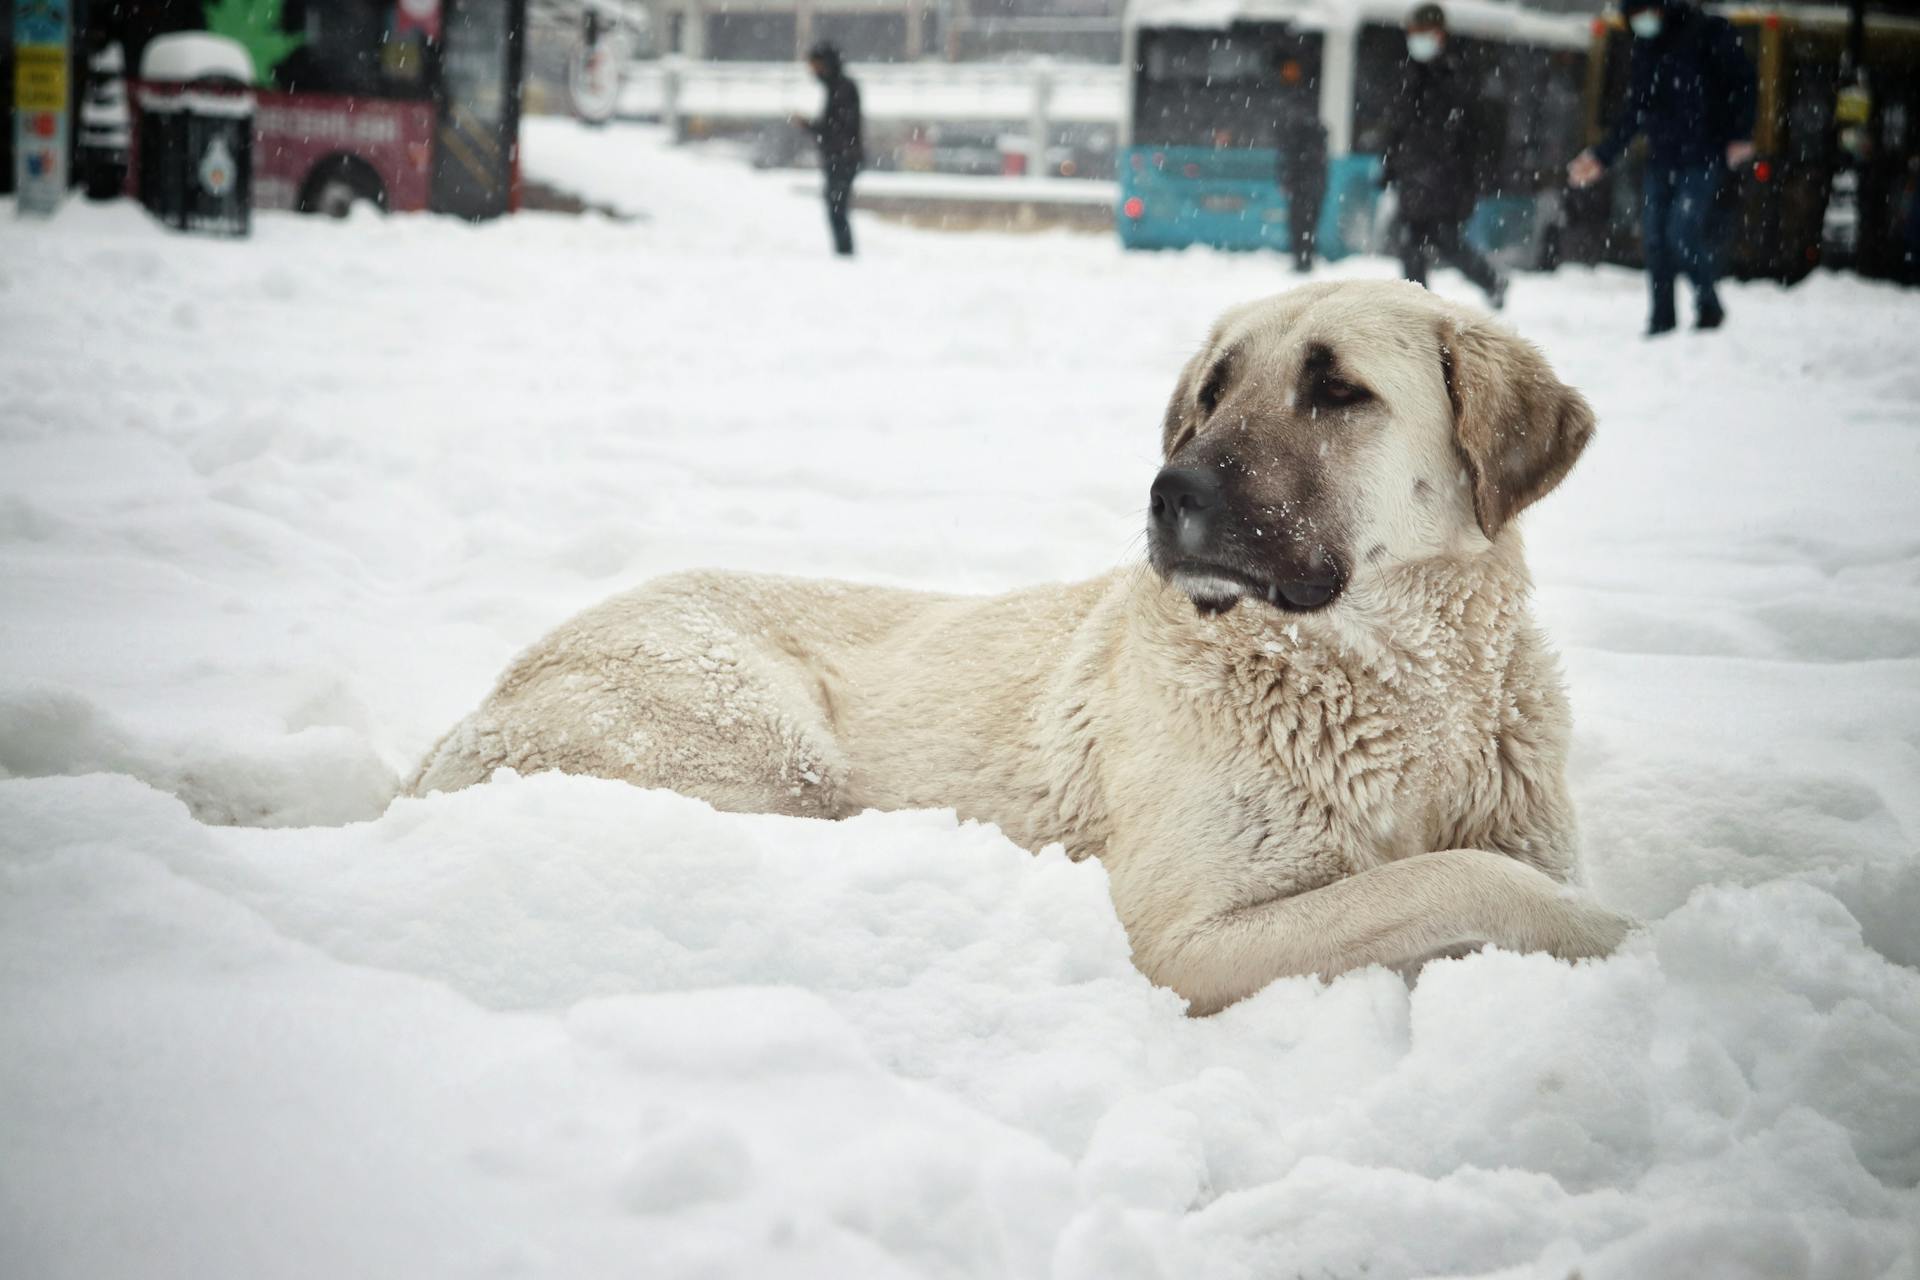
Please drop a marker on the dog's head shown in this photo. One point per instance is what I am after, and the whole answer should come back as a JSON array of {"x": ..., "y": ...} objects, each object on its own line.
[{"x": 1342, "y": 429}]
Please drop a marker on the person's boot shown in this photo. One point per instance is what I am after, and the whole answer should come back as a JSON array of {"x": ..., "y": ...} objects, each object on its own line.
[
  {"x": 1497, "y": 296},
  {"x": 1712, "y": 315},
  {"x": 1661, "y": 319}
]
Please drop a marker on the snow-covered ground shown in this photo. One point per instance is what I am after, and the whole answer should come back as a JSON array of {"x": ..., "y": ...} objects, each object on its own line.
[{"x": 273, "y": 514}]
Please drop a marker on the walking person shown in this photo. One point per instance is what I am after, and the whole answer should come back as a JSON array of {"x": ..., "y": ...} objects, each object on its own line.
[
  {"x": 837, "y": 135},
  {"x": 1302, "y": 143},
  {"x": 1692, "y": 93},
  {"x": 1430, "y": 158}
]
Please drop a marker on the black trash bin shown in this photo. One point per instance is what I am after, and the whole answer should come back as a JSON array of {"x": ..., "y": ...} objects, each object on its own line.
[{"x": 196, "y": 133}]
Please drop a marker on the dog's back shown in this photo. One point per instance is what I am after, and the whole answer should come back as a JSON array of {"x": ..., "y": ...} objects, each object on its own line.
[{"x": 782, "y": 695}]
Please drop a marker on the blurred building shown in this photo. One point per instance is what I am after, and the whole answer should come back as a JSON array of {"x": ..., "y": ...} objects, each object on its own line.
[
  {"x": 782, "y": 30},
  {"x": 890, "y": 30}
]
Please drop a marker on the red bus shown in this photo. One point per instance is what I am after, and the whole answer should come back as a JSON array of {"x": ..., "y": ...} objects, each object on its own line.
[{"x": 407, "y": 104}]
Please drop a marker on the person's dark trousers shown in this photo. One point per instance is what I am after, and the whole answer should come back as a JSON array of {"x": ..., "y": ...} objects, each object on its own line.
[
  {"x": 1676, "y": 236},
  {"x": 839, "y": 200},
  {"x": 1303, "y": 215},
  {"x": 1422, "y": 238}
]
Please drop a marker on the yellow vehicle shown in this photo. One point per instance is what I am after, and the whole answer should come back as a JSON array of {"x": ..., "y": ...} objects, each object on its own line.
[{"x": 1777, "y": 218}]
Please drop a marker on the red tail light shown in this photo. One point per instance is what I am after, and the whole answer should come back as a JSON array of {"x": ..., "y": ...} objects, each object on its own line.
[
  {"x": 1762, "y": 171},
  {"x": 1134, "y": 208}
]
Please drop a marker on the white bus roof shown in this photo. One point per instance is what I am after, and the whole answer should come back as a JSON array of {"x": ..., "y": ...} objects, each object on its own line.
[
  {"x": 1809, "y": 15},
  {"x": 1485, "y": 18}
]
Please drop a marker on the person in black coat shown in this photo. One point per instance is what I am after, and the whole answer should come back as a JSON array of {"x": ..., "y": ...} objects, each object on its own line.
[
  {"x": 1301, "y": 141},
  {"x": 837, "y": 134},
  {"x": 1692, "y": 93},
  {"x": 1430, "y": 157}
]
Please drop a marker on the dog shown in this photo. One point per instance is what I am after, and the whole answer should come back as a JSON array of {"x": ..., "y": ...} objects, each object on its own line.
[{"x": 1317, "y": 730}]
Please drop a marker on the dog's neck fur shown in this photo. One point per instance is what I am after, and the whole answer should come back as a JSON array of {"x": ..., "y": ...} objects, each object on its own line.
[
  {"x": 1405, "y": 620},
  {"x": 1412, "y": 616},
  {"x": 1386, "y": 708}
]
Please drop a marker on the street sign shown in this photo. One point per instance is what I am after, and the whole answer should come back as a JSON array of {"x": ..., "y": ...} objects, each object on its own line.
[{"x": 42, "y": 34}]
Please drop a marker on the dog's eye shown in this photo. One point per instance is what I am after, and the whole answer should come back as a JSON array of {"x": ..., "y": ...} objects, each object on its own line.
[
  {"x": 1213, "y": 388},
  {"x": 1341, "y": 394}
]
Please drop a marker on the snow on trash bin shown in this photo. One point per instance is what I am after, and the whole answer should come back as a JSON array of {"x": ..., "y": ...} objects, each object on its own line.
[{"x": 196, "y": 133}]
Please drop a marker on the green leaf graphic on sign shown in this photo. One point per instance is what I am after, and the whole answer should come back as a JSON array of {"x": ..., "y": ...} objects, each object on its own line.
[{"x": 255, "y": 24}]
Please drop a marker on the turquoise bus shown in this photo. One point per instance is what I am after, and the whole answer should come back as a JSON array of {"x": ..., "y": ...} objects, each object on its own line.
[{"x": 1210, "y": 82}]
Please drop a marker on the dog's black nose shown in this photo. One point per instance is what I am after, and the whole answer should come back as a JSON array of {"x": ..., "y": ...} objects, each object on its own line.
[{"x": 1183, "y": 501}]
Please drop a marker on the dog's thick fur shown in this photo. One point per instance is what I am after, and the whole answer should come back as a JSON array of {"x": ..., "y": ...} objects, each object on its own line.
[{"x": 1274, "y": 788}]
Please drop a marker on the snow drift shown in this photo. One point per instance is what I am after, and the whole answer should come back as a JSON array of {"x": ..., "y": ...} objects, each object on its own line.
[{"x": 273, "y": 514}]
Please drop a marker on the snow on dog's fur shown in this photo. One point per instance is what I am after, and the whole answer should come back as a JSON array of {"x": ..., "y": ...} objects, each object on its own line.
[{"x": 1319, "y": 730}]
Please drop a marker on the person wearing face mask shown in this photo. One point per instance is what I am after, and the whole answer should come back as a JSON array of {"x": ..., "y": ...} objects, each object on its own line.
[
  {"x": 1428, "y": 155},
  {"x": 1692, "y": 93}
]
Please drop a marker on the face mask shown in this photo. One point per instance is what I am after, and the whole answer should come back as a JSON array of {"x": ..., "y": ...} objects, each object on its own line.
[
  {"x": 1423, "y": 46},
  {"x": 1645, "y": 24}
]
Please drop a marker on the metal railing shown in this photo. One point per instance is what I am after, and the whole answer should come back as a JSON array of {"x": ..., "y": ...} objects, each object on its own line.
[{"x": 1037, "y": 94}]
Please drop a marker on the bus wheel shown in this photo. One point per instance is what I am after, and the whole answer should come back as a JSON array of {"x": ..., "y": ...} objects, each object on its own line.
[{"x": 336, "y": 185}]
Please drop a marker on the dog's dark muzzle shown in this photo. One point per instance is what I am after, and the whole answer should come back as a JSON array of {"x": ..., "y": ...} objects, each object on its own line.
[{"x": 1199, "y": 542}]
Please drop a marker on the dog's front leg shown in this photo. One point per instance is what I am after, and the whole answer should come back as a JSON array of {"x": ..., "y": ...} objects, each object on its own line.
[{"x": 1396, "y": 914}]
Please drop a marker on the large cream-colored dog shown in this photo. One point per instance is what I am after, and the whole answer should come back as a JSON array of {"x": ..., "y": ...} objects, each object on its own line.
[{"x": 1318, "y": 730}]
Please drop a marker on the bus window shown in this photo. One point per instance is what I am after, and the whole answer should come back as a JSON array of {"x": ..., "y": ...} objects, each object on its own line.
[
  {"x": 350, "y": 47},
  {"x": 1532, "y": 108},
  {"x": 1203, "y": 57},
  {"x": 864, "y": 37},
  {"x": 751, "y": 36},
  {"x": 1619, "y": 77},
  {"x": 1490, "y": 130},
  {"x": 1561, "y": 117},
  {"x": 1220, "y": 89},
  {"x": 1812, "y": 80},
  {"x": 1380, "y": 59}
]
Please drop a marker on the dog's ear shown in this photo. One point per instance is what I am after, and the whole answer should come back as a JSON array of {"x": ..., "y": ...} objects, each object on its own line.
[{"x": 1519, "y": 427}]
